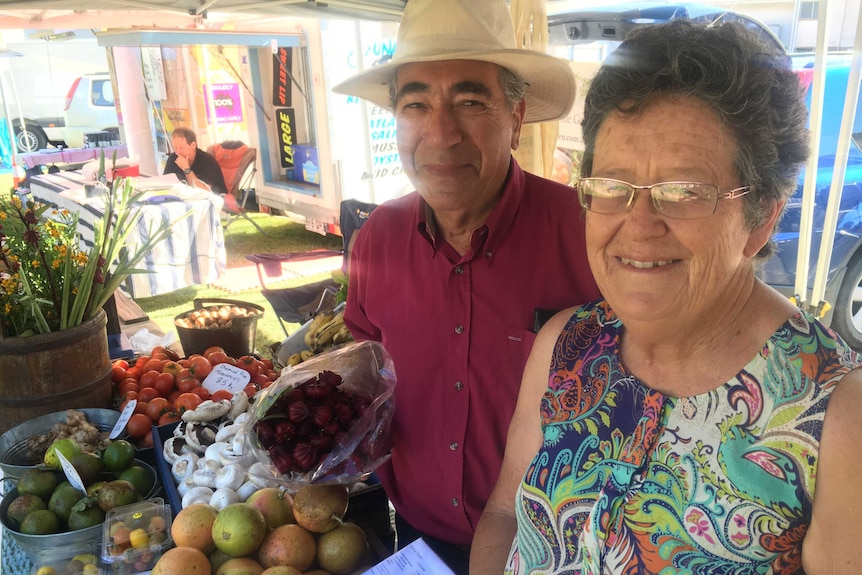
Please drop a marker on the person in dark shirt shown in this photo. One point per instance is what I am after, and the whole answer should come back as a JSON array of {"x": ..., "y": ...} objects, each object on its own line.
[{"x": 194, "y": 166}]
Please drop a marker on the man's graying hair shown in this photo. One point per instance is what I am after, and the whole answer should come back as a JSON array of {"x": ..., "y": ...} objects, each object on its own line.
[
  {"x": 514, "y": 88},
  {"x": 758, "y": 98}
]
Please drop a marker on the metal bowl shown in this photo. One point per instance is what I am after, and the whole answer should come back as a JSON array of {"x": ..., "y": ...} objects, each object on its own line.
[
  {"x": 35, "y": 545},
  {"x": 14, "y": 455}
]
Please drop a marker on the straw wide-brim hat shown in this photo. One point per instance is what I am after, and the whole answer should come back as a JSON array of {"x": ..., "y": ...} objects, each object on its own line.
[{"x": 436, "y": 30}]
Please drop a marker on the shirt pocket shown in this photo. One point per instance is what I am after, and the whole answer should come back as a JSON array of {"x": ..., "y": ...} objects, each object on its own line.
[{"x": 518, "y": 344}]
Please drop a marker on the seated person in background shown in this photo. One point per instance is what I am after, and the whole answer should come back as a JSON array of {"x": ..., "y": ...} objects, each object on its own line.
[
  {"x": 694, "y": 420},
  {"x": 194, "y": 166}
]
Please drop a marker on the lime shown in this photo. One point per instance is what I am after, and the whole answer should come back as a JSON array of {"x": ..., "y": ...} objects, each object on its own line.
[
  {"x": 118, "y": 455},
  {"x": 67, "y": 446},
  {"x": 140, "y": 477}
]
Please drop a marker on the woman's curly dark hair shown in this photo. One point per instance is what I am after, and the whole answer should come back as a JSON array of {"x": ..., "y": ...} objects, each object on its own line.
[{"x": 749, "y": 84}]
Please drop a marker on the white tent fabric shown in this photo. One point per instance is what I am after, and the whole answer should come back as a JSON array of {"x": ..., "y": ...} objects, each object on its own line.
[{"x": 72, "y": 13}]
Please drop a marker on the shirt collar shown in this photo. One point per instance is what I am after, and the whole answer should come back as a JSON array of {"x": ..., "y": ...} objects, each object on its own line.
[{"x": 498, "y": 222}]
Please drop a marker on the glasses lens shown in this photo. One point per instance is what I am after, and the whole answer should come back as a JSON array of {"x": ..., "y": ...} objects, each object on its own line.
[
  {"x": 685, "y": 200},
  {"x": 604, "y": 196}
]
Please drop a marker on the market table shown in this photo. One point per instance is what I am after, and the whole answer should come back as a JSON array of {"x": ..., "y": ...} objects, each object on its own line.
[
  {"x": 71, "y": 155},
  {"x": 194, "y": 252}
]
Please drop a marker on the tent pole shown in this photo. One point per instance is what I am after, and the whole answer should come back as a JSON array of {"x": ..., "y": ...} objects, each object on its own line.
[
  {"x": 836, "y": 189},
  {"x": 808, "y": 189}
]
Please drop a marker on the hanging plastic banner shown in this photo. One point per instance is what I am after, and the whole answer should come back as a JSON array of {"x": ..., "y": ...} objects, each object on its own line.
[
  {"x": 286, "y": 120},
  {"x": 282, "y": 68}
]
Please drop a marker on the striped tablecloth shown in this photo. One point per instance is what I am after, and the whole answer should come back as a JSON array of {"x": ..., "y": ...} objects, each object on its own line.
[{"x": 194, "y": 252}]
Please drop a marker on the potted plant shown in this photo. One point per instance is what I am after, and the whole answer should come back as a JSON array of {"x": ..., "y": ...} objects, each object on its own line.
[{"x": 53, "y": 342}]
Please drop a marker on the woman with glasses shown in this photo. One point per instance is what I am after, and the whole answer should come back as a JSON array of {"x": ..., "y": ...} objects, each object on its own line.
[{"x": 694, "y": 420}]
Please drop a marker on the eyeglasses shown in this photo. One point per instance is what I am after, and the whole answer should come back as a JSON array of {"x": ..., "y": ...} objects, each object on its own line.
[{"x": 680, "y": 200}]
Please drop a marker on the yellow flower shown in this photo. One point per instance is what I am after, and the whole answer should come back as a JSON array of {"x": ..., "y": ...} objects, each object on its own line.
[{"x": 35, "y": 263}]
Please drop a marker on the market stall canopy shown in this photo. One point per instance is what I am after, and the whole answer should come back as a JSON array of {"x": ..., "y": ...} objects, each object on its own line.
[{"x": 71, "y": 13}]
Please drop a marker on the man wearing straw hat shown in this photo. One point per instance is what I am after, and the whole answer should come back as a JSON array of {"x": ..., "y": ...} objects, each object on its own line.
[{"x": 450, "y": 278}]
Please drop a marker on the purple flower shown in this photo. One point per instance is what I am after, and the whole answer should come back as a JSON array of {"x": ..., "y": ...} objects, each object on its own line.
[
  {"x": 30, "y": 218},
  {"x": 31, "y": 237}
]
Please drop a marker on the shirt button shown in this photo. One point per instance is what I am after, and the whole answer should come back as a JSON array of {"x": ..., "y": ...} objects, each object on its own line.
[
  {"x": 454, "y": 502},
  {"x": 459, "y": 270},
  {"x": 459, "y": 386},
  {"x": 453, "y": 446},
  {"x": 459, "y": 329}
]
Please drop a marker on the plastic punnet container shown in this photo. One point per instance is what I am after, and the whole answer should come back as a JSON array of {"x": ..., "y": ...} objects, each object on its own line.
[
  {"x": 148, "y": 536},
  {"x": 80, "y": 559}
]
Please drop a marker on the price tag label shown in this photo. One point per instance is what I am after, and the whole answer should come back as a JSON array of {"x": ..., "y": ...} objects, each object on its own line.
[
  {"x": 124, "y": 419},
  {"x": 227, "y": 376},
  {"x": 71, "y": 473}
]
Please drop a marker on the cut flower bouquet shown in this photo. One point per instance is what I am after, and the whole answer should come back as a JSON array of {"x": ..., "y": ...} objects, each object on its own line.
[{"x": 48, "y": 281}]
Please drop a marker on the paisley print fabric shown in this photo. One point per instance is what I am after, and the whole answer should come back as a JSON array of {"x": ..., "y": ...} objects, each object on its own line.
[{"x": 631, "y": 482}]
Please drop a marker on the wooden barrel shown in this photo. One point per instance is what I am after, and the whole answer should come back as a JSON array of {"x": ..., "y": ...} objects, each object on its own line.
[{"x": 54, "y": 371}]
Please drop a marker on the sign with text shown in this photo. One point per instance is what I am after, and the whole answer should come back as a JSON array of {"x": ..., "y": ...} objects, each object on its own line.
[
  {"x": 227, "y": 376},
  {"x": 154, "y": 72},
  {"x": 282, "y": 68},
  {"x": 285, "y": 119},
  {"x": 226, "y": 103}
]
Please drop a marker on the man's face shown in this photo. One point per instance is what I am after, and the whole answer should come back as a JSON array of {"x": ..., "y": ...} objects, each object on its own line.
[
  {"x": 455, "y": 132},
  {"x": 183, "y": 148}
]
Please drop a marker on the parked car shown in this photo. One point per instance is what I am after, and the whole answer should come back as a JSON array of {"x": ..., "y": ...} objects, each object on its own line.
[
  {"x": 610, "y": 24},
  {"x": 38, "y": 76},
  {"x": 89, "y": 108}
]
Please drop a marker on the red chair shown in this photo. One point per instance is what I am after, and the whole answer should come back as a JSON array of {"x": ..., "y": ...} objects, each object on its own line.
[{"x": 237, "y": 162}]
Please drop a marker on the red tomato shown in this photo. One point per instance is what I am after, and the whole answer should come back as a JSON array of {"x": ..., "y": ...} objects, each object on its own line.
[
  {"x": 250, "y": 364},
  {"x": 217, "y": 357},
  {"x": 185, "y": 362},
  {"x": 221, "y": 394},
  {"x": 134, "y": 372},
  {"x": 272, "y": 375},
  {"x": 139, "y": 425},
  {"x": 164, "y": 384},
  {"x": 146, "y": 441},
  {"x": 148, "y": 379},
  {"x": 212, "y": 349},
  {"x": 261, "y": 380},
  {"x": 155, "y": 365},
  {"x": 186, "y": 385},
  {"x": 156, "y": 407},
  {"x": 172, "y": 398},
  {"x": 147, "y": 393},
  {"x": 143, "y": 359},
  {"x": 127, "y": 385},
  {"x": 118, "y": 373},
  {"x": 128, "y": 396},
  {"x": 121, "y": 362},
  {"x": 187, "y": 402},
  {"x": 267, "y": 363},
  {"x": 200, "y": 367},
  {"x": 201, "y": 392},
  {"x": 169, "y": 417},
  {"x": 157, "y": 349},
  {"x": 250, "y": 390},
  {"x": 183, "y": 374}
]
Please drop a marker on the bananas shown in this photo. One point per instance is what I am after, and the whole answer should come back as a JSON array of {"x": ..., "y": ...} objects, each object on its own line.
[{"x": 326, "y": 330}]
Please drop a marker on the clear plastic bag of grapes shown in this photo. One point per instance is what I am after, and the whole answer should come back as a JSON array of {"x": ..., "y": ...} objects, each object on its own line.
[{"x": 326, "y": 420}]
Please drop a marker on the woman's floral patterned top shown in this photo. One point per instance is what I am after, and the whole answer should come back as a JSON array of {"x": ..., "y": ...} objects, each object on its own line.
[{"x": 632, "y": 482}]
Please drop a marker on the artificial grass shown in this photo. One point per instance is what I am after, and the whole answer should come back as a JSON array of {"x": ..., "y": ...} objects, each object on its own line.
[{"x": 283, "y": 235}]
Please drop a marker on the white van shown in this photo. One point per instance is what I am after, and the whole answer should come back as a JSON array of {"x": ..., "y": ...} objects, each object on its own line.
[
  {"x": 89, "y": 108},
  {"x": 40, "y": 80}
]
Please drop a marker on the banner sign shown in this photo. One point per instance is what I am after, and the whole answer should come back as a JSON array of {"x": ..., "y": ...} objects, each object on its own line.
[
  {"x": 282, "y": 67},
  {"x": 286, "y": 120}
]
